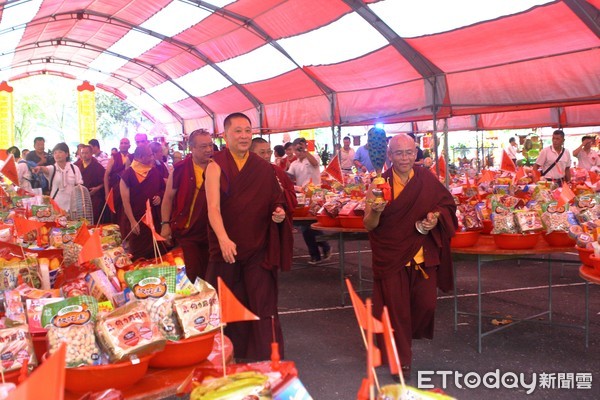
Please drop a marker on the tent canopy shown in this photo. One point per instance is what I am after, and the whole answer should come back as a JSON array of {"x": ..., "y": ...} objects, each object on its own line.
[{"x": 293, "y": 64}]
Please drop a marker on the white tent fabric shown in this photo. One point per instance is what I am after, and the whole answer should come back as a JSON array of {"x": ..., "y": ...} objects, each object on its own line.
[{"x": 293, "y": 64}]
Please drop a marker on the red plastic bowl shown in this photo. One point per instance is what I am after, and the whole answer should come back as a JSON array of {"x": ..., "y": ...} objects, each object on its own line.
[
  {"x": 185, "y": 352},
  {"x": 595, "y": 262},
  {"x": 40, "y": 345},
  {"x": 516, "y": 241},
  {"x": 101, "y": 377},
  {"x": 464, "y": 239},
  {"x": 353, "y": 222},
  {"x": 12, "y": 376},
  {"x": 487, "y": 226},
  {"x": 584, "y": 255},
  {"x": 559, "y": 239},
  {"x": 326, "y": 220},
  {"x": 301, "y": 211}
]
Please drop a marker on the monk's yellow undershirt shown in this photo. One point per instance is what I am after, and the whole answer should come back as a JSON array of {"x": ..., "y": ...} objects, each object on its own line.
[{"x": 240, "y": 161}]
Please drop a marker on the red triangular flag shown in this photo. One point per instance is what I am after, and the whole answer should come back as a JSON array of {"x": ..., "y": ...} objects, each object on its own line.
[
  {"x": 9, "y": 170},
  {"x": 231, "y": 308},
  {"x": 373, "y": 353},
  {"x": 82, "y": 235},
  {"x": 593, "y": 177},
  {"x": 486, "y": 176},
  {"x": 149, "y": 221},
  {"x": 442, "y": 166},
  {"x": 566, "y": 195},
  {"x": 520, "y": 174},
  {"x": 536, "y": 175},
  {"x": 110, "y": 201},
  {"x": 92, "y": 249},
  {"x": 334, "y": 169},
  {"x": 24, "y": 225},
  {"x": 390, "y": 343},
  {"x": 56, "y": 207},
  {"x": 360, "y": 311},
  {"x": 507, "y": 164},
  {"x": 46, "y": 382},
  {"x": 363, "y": 391},
  {"x": 3, "y": 154}
]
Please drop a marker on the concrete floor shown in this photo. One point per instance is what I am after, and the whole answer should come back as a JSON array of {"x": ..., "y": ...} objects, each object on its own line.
[{"x": 323, "y": 339}]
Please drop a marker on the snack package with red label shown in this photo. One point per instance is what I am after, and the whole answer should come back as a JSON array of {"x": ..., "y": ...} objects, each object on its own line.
[
  {"x": 198, "y": 313},
  {"x": 129, "y": 330},
  {"x": 34, "y": 312},
  {"x": 76, "y": 287},
  {"x": 16, "y": 348},
  {"x": 155, "y": 288},
  {"x": 71, "y": 321}
]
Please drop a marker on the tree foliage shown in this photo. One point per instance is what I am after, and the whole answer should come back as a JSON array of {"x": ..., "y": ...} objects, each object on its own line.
[{"x": 114, "y": 116}]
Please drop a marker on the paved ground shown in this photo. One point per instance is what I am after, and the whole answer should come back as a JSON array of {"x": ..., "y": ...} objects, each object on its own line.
[{"x": 322, "y": 336}]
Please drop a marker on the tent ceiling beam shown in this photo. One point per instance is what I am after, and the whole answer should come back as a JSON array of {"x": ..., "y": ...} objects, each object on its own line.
[{"x": 588, "y": 14}]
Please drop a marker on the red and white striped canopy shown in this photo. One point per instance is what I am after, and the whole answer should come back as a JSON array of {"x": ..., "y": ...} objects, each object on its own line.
[{"x": 293, "y": 64}]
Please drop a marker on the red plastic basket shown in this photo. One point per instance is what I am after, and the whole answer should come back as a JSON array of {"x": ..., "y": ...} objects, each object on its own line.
[
  {"x": 516, "y": 241},
  {"x": 464, "y": 239},
  {"x": 185, "y": 352}
]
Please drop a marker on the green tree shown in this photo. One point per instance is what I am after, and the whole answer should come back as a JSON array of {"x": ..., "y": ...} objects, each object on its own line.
[
  {"x": 26, "y": 110},
  {"x": 114, "y": 116}
]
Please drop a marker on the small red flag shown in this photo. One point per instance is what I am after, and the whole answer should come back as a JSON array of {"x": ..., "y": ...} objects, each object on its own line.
[
  {"x": 57, "y": 207},
  {"x": 334, "y": 169},
  {"x": 92, "y": 249},
  {"x": 231, "y": 308},
  {"x": 442, "y": 166},
  {"x": 593, "y": 177},
  {"x": 82, "y": 235},
  {"x": 24, "y": 225},
  {"x": 149, "y": 221},
  {"x": 110, "y": 201},
  {"x": 566, "y": 195},
  {"x": 360, "y": 311},
  {"x": 536, "y": 175},
  {"x": 3, "y": 154},
  {"x": 520, "y": 174},
  {"x": 390, "y": 343},
  {"x": 9, "y": 170},
  {"x": 486, "y": 176},
  {"x": 507, "y": 164}
]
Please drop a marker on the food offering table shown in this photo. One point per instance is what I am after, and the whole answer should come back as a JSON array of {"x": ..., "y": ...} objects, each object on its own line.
[
  {"x": 344, "y": 235},
  {"x": 589, "y": 275},
  {"x": 485, "y": 250}
]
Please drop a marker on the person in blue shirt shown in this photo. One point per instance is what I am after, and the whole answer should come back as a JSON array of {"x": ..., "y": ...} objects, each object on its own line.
[{"x": 362, "y": 161}]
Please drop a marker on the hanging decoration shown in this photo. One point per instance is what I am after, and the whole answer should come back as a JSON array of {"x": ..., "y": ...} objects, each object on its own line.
[
  {"x": 7, "y": 123},
  {"x": 86, "y": 106}
]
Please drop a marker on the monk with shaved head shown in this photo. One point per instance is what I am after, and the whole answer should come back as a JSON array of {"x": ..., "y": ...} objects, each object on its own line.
[{"x": 410, "y": 242}]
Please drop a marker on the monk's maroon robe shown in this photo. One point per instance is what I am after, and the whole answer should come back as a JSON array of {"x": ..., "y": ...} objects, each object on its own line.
[
  {"x": 193, "y": 239},
  {"x": 248, "y": 199},
  {"x": 409, "y": 297},
  {"x": 93, "y": 175},
  {"x": 114, "y": 178},
  {"x": 141, "y": 245}
]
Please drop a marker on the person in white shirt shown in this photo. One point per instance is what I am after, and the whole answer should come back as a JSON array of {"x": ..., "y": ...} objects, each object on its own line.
[
  {"x": 63, "y": 176},
  {"x": 586, "y": 156},
  {"x": 304, "y": 170},
  {"x": 99, "y": 155},
  {"x": 23, "y": 170},
  {"x": 512, "y": 149},
  {"x": 347, "y": 155},
  {"x": 554, "y": 162}
]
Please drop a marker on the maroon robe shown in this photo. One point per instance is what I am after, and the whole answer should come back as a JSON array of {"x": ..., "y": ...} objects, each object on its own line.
[
  {"x": 141, "y": 245},
  {"x": 193, "y": 239},
  {"x": 409, "y": 297},
  {"x": 114, "y": 178},
  {"x": 93, "y": 175},
  {"x": 248, "y": 199}
]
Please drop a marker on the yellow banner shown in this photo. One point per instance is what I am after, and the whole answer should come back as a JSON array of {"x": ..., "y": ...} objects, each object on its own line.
[
  {"x": 86, "y": 105},
  {"x": 7, "y": 122}
]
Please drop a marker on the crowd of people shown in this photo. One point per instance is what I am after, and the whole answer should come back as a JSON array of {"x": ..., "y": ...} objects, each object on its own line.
[{"x": 230, "y": 211}]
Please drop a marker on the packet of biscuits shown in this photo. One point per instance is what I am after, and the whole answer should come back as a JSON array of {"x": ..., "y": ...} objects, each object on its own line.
[
  {"x": 129, "y": 330},
  {"x": 199, "y": 312},
  {"x": 72, "y": 321},
  {"x": 155, "y": 287},
  {"x": 16, "y": 347}
]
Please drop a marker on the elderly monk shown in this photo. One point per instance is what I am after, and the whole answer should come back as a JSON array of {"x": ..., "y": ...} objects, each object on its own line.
[
  {"x": 247, "y": 241},
  {"x": 183, "y": 211},
  {"x": 410, "y": 242},
  {"x": 112, "y": 176},
  {"x": 92, "y": 173},
  {"x": 139, "y": 183}
]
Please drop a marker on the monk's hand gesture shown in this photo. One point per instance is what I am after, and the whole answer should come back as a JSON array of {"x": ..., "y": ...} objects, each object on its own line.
[
  {"x": 165, "y": 232},
  {"x": 278, "y": 215},
  {"x": 135, "y": 227},
  {"x": 228, "y": 249},
  {"x": 431, "y": 221},
  {"x": 156, "y": 200}
]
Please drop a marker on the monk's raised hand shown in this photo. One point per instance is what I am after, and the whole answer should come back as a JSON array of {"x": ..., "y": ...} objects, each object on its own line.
[
  {"x": 156, "y": 200},
  {"x": 431, "y": 221},
  {"x": 278, "y": 215},
  {"x": 378, "y": 206}
]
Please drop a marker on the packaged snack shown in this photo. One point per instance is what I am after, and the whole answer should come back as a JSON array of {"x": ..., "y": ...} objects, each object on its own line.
[
  {"x": 34, "y": 312},
  {"x": 13, "y": 306},
  {"x": 156, "y": 288},
  {"x": 470, "y": 218},
  {"x": 99, "y": 286},
  {"x": 528, "y": 221},
  {"x": 555, "y": 218},
  {"x": 27, "y": 268},
  {"x": 129, "y": 330},
  {"x": 503, "y": 219},
  {"x": 16, "y": 348},
  {"x": 72, "y": 321},
  {"x": 198, "y": 313}
]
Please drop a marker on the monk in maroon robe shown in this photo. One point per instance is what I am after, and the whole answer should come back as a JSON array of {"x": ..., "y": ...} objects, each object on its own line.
[
  {"x": 410, "y": 242},
  {"x": 142, "y": 182},
  {"x": 247, "y": 241},
  {"x": 92, "y": 173},
  {"x": 184, "y": 212},
  {"x": 112, "y": 176}
]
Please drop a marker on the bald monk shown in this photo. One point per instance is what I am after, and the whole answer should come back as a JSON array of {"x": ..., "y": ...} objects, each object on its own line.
[
  {"x": 117, "y": 164},
  {"x": 409, "y": 263},
  {"x": 183, "y": 211},
  {"x": 92, "y": 173},
  {"x": 245, "y": 212},
  {"x": 139, "y": 183}
]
